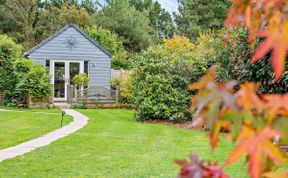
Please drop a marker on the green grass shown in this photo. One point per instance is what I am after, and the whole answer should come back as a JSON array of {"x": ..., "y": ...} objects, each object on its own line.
[
  {"x": 18, "y": 127},
  {"x": 113, "y": 145},
  {"x": 54, "y": 110}
]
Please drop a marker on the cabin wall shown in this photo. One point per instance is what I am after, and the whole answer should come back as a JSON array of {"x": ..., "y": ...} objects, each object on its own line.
[{"x": 57, "y": 49}]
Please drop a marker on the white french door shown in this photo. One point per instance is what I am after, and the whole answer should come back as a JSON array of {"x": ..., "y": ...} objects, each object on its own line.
[{"x": 62, "y": 73}]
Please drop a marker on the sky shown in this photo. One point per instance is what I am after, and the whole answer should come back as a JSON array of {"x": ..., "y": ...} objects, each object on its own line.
[{"x": 170, "y": 5}]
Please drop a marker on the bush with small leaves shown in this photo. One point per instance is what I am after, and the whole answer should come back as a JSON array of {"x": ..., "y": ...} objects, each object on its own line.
[
  {"x": 36, "y": 82},
  {"x": 160, "y": 78}
]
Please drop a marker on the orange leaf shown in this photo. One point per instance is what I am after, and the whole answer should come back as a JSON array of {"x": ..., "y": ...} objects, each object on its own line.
[
  {"x": 247, "y": 97},
  {"x": 276, "y": 40},
  {"x": 256, "y": 144},
  {"x": 276, "y": 104},
  {"x": 279, "y": 60},
  {"x": 214, "y": 135},
  {"x": 277, "y": 174}
]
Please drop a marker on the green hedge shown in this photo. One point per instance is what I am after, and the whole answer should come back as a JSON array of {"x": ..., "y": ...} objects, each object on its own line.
[{"x": 234, "y": 64}]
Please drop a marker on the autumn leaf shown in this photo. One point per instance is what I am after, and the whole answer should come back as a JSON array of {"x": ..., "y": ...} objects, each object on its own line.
[
  {"x": 277, "y": 174},
  {"x": 247, "y": 97},
  {"x": 204, "y": 81},
  {"x": 256, "y": 144},
  {"x": 276, "y": 104},
  {"x": 237, "y": 12},
  {"x": 198, "y": 168},
  {"x": 266, "y": 19},
  {"x": 214, "y": 135},
  {"x": 276, "y": 39}
]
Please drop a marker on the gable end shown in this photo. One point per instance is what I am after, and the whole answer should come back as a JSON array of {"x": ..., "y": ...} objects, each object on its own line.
[{"x": 61, "y": 31}]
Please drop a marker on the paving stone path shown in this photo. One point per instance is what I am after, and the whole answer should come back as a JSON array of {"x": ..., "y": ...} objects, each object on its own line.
[{"x": 79, "y": 121}]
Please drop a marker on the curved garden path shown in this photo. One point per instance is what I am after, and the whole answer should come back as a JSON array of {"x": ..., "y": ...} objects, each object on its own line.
[{"x": 79, "y": 121}]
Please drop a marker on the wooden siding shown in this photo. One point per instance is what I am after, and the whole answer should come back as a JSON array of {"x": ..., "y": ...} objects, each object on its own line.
[{"x": 85, "y": 50}]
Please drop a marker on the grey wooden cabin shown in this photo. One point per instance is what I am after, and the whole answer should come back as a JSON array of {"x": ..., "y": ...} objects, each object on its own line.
[{"x": 71, "y": 51}]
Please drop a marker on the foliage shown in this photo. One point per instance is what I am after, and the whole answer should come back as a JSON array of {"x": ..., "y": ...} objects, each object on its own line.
[
  {"x": 123, "y": 81},
  {"x": 160, "y": 19},
  {"x": 113, "y": 44},
  {"x": 209, "y": 46},
  {"x": 253, "y": 120},
  {"x": 197, "y": 168},
  {"x": 107, "y": 39},
  {"x": 129, "y": 23},
  {"x": 78, "y": 105},
  {"x": 121, "y": 62},
  {"x": 89, "y": 5},
  {"x": 42, "y": 19},
  {"x": 22, "y": 67},
  {"x": 267, "y": 20},
  {"x": 9, "y": 53},
  {"x": 36, "y": 82},
  {"x": 18, "y": 14},
  {"x": 81, "y": 80},
  {"x": 237, "y": 66},
  {"x": 55, "y": 18},
  {"x": 160, "y": 78},
  {"x": 199, "y": 15}
]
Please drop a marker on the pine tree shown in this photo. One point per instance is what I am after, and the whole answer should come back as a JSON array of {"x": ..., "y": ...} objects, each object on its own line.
[{"x": 198, "y": 15}]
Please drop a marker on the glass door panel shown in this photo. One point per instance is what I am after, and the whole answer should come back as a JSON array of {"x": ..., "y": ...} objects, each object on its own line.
[
  {"x": 74, "y": 68},
  {"x": 59, "y": 80}
]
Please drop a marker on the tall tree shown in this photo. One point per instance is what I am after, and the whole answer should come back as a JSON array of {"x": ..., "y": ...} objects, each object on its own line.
[
  {"x": 89, "y": 5},
  {"x": 55, "y": 18},
  {"x": 160, "y": 19},
  {"x": 30, "y": 21},
  {"x": 59, "y": 3},
  {"x": 24, "y": 14},
  {"x": 129, "y": 23},
  {"x": 198, "y": 15}
]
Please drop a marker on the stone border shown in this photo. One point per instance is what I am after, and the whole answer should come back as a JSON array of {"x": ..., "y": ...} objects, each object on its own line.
[{"x": 79, "y": 121}]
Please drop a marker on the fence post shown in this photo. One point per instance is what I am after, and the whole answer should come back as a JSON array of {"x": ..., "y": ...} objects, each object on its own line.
[{"x": 117, "y": 94}]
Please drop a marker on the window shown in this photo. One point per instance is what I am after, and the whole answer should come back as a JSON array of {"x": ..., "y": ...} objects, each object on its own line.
[
  {"x": 47, "y": 65},
  {"x": 86, "y": 70}
]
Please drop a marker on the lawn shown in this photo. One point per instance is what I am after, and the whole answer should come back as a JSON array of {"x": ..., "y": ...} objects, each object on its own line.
[
  {"x": 18, "y": 127},
  {"x": 114, "y": 145}
]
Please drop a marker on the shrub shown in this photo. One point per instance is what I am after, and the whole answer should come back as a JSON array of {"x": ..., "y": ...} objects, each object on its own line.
[
  {"x": 160, "y": 78},
  {"x": 9, "y": 53},
  {"x": 22, "y": 67},
  {"x": 81, "y": 80},
  {"x": 125, "y": 85},
  {"x": 36, "y": 82},
  {"x": 120, "y": 62},
  {"x": 237, "y": 65}
]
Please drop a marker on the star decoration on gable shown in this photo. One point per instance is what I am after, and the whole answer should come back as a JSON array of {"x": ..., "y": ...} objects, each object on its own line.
[{"x": 71, "y": 42}]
